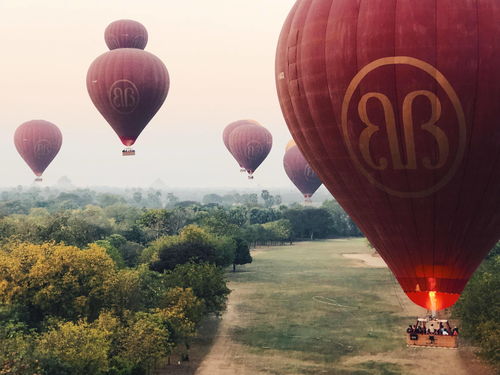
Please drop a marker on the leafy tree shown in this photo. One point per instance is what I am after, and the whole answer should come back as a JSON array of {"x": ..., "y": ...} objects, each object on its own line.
[
  {"x": 205, "y": 280},
  {"x": 267, "y": 198},
  {"x": 193, "y": 243},
  {"x": 58, "y": 280},
  {"x": 75, "y": 348},
  {"x": 479, "y": 308},
  {"x": 279, "y": 230},
  {"x": 309, "y": 222},
  {"x": 242, "y": 253}
]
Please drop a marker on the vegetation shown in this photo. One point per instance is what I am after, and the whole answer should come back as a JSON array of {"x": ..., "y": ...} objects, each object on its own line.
[
  {"x": 479, "y": 308},
  {"x": 98, "y": 283}
]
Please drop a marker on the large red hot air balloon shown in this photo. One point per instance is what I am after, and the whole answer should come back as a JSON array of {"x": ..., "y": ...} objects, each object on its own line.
[
  {"x": 38, "y": 143},
  {"x": 395, "y": 104},
  {"x": 126, "y": 34},
  {"x": 250, "y": 143},
  {"x": 300, "y": 173},
  {"x": 228, "y": 130},
  {"x": 128, "y": 86}
]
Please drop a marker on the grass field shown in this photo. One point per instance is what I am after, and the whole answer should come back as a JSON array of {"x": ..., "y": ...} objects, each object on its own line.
[
  {"x": 310, "y": 305},
  {"x": 307, "y": 309}
]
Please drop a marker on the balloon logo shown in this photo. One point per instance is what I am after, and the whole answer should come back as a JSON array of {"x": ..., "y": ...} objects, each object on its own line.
[
  {"x": 42, "y": 149},
  {"x": 360, "y": 149},
  {"x": 124, "y": 96}
]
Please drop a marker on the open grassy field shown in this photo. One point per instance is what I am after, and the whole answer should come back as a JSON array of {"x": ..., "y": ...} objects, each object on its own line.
[{"x": 307, "y": 309}]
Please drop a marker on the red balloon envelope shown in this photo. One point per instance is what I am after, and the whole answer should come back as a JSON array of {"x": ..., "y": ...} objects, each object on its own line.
[
  {"x": 38, "y": 143},
  {"x": 298, "y": 170},
  {"x": 395, "y": 105},
  {"x": 128, "y": 86},
  {"x": 229, "y": 129},
  {"x": 126, "y": 34},
  {"x": 250, "y": 143}
]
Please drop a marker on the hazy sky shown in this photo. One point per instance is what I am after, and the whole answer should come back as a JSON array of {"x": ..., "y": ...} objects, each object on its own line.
[{"x": 220, "y": 56}]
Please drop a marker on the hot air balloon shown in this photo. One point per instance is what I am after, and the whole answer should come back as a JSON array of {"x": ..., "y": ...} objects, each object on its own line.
[
  {"x": 227, "y": 131},
  {"x": 126, "y": 34},
  {"x": 395, "y": 104},
  {"x": 127, "y": 85},
  {"x": 38, "y": 143},
  {"x": 290, "y": 144},
  {"x": 300, "y": 173},
  {"x": 250, "y": 144}
]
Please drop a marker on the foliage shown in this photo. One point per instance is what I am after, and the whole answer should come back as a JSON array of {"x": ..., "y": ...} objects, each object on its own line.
[
  {"x": 242, "y": 253},
  {"x": 74, "y": 348},
  {"x": 193, "y": 243},
  {"x": 205, "y": 280},
  {"x": 56, "y": 280},
  {"x": 479, "y": 308}
]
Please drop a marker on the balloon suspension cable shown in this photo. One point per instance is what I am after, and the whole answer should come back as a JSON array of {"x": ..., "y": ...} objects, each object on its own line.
[
  {"x": 307, "y": 199},
  {"x": 250, "y": 175},
  {"x": 128, "y": 151}
]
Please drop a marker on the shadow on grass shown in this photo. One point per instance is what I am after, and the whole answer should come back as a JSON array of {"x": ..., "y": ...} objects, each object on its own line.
[{"x": 200, "y": 347}]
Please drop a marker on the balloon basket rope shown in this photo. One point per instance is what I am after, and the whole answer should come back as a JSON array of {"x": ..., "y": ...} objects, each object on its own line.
[{"x": 128, "y": 152}]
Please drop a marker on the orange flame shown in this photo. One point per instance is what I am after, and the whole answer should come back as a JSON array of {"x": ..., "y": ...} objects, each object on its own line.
[{"x": 433, "y": 300}]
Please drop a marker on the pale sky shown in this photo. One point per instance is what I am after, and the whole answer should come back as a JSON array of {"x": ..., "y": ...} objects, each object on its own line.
[{"x": 220, "y": 56}]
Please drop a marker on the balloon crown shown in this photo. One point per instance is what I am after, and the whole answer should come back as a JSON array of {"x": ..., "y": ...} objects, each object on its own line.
[{"x": 126, "y": 34}]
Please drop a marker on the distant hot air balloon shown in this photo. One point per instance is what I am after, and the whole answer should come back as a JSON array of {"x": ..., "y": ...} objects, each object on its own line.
[
  {"x": 395, "y": 104},
  {"x": 250, "y": 144},
  {"x": 38, "y": 143},
  {"x": 300, "y": 173},
  {"x": 228, "y": 130},
  {"x": 126, "y": 34},
  {"x": 128, "y": 86},
  {"x": 290, "y": 144}
]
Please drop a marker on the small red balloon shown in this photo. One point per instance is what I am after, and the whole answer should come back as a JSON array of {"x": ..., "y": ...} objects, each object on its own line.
[
  {"x": 300, "y": 173},
  {"x": 38, "y": 143},
  {"x": 229, "y": 129},
  {"x": 250, "y": 144}
]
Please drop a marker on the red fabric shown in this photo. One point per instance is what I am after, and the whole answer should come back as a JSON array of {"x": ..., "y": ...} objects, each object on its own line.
[
  {"x": 229, "y": 129},
  {"x": 128, "y": 86},
  {"x": 250, "y": 144},
  {"x": 38, "y": 143},
  {"x": 300, "y": 173},
  {"x": 395, "y": 105},
  {"x": 126, "y": 34}
]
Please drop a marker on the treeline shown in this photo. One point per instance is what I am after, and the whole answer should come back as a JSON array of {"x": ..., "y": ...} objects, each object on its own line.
[
  {"x": 92, "y": 284},
  {"x": 479, "y": 308}
]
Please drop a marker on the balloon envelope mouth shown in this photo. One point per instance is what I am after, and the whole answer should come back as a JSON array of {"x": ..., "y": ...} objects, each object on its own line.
[
  {"x": 127, "y": 141},
  {"x": 433, "y": 300}
]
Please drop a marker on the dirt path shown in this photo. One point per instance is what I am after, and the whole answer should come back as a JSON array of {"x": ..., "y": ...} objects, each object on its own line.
[{"x": 222, "y": 359}]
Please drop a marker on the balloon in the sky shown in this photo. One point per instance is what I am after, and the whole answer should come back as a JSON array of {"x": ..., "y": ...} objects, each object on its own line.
[
  {"x": 38, "y": 143},
  {"x": 300, "y": 173},
  {"x": 128, "y": 86},
  {"x": 250, "y": 143},
  {"x": 290, "y": 144},
  {"x": 228, "y": 130},
  {"x": 126, "y": 34},
  {"x": 396, "y": 106}
]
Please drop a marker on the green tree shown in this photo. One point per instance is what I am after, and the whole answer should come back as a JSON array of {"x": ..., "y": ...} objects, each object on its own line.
[
  {"x": 205, "y": 280},
  {"x": 242, "y": 253},
  {"x": 479, "y": 308}
]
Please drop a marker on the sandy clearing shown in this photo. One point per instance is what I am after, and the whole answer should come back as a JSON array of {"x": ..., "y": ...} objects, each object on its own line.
[{"x": 368, "y": 260}]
